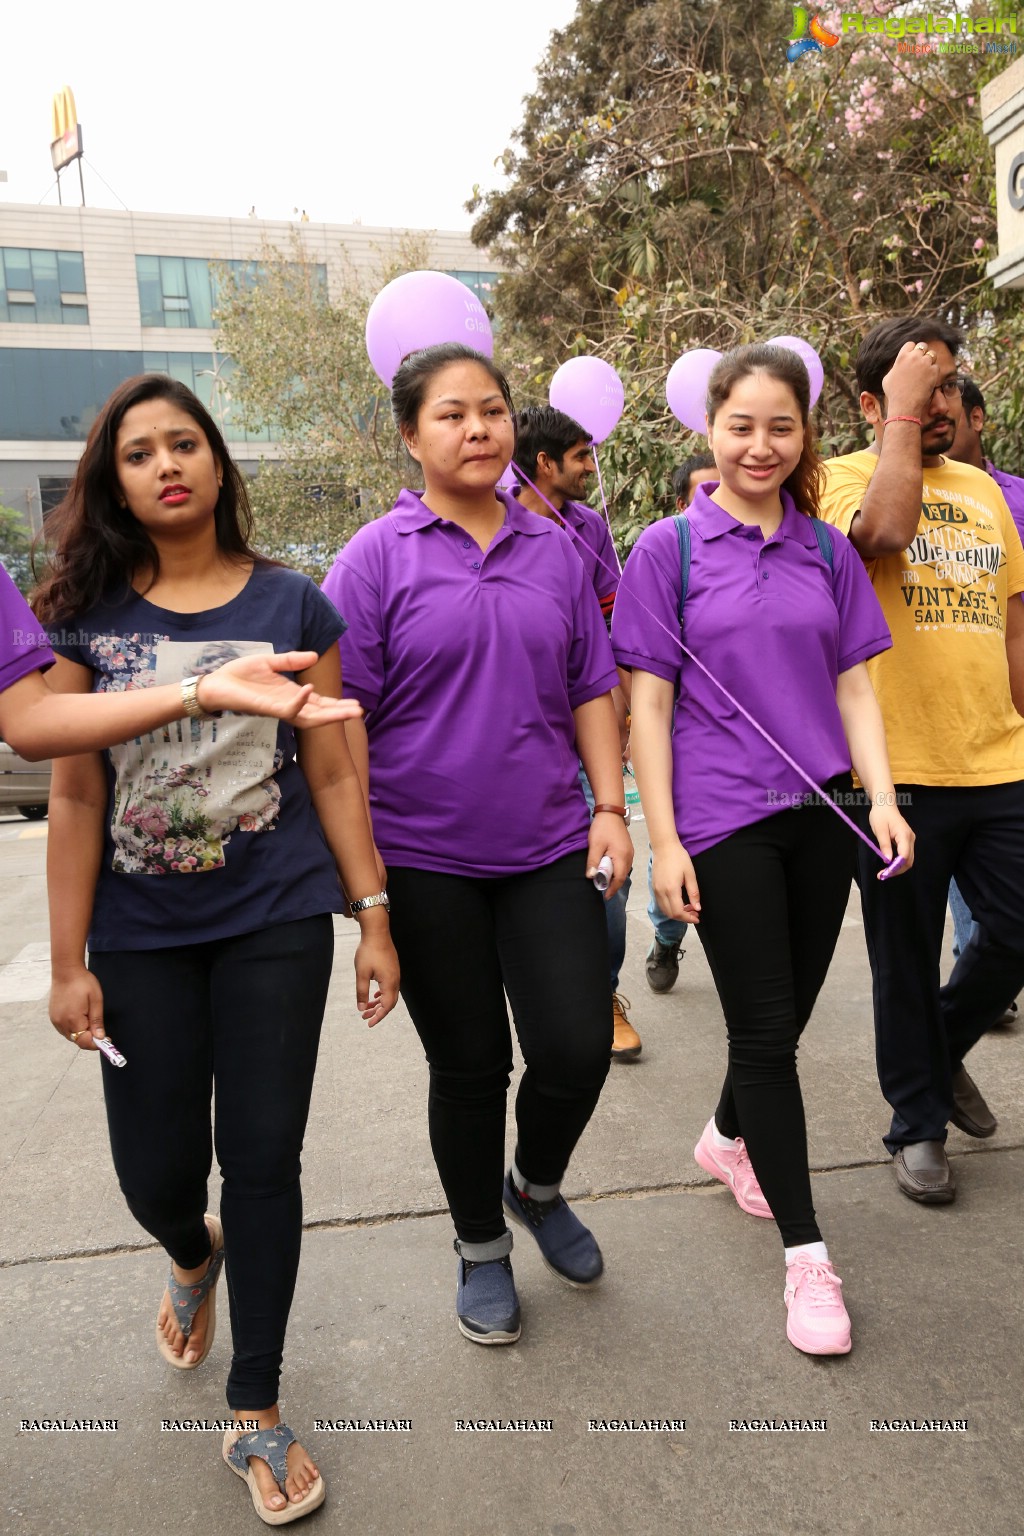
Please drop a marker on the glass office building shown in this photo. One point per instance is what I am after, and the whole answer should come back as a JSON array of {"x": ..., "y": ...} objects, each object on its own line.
[{"x": 89, "y": 297}]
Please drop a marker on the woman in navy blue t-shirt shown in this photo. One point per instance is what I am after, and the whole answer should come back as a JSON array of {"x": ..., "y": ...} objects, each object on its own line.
[{"x": 200, "y": 863}]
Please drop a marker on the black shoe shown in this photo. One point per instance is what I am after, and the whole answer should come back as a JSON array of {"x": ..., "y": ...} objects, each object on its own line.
[
  {"x": 923, "y": 1173},
  {"x": 1008, "y": 1015},
  {"x": 970, "y": 1112},
  {"x": 662, "y": 966}
]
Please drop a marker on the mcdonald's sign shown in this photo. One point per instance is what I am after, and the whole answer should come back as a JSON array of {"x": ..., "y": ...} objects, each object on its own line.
[{"x": 66, "y": 139}]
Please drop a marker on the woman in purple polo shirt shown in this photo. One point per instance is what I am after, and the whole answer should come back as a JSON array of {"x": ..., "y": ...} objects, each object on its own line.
[
  {"x": 477, "y": 648},
  {"x": 787, "y": 630}
]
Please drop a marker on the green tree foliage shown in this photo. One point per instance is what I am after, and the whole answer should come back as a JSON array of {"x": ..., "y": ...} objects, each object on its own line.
[
  {"x": 676, "y": 183},
  {"x": 299, "y": 367},
  {"x": 15, "y": 548}
]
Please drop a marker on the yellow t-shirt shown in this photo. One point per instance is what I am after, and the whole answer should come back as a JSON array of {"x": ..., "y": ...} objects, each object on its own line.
[{"x": 944, "y": 688}]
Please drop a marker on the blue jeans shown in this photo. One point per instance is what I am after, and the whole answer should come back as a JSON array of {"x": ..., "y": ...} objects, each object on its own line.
[
  {"x": 614, "y": 910},
  {"x": 669, "y": 931},
  {"x": 963, "y": 923}
]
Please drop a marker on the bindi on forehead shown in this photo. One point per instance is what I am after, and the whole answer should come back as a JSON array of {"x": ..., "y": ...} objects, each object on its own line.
[{"x": 143, "y": 434}]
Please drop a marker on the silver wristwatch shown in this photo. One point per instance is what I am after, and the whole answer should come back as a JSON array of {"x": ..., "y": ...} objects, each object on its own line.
[{"x": 370, "y": 901}]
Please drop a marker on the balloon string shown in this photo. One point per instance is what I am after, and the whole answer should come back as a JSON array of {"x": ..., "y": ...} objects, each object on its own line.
[
  {"x": 604, "y": 504},
  {"x": 677, "y": 639}
]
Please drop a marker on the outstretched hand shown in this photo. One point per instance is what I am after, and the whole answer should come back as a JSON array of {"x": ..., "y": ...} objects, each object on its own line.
[{"x": 256, "y": 685}]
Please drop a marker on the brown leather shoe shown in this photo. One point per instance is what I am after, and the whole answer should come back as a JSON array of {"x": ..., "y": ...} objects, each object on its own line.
[
  {"x": 970, "y": 1112},
  {"x": 923, "y": 1173},
  {"x": 626, "y": 1043}
]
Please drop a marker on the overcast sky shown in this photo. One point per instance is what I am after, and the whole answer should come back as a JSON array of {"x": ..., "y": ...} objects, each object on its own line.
[{"x": 385, "y": 112}]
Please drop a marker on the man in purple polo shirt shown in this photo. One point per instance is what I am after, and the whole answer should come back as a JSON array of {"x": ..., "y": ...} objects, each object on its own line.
[
  {"x": 967, "y": 449},
  {"x": 554, "y": 451}
]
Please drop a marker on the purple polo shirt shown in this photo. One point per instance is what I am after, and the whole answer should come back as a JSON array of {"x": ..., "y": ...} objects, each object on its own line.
[
  {"x": 24, "y": 647},
  {"x": 1012, "y": 487},
  {"x": 776, "y": 626},
  {"x": 592, "y": 541},
  {"x": 469, "y": 665}
]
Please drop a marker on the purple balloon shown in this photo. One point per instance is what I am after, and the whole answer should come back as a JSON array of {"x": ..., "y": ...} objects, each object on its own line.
[
  {"x": 508, "y": 480},
  {"x": 422, "y": 309},
  {"x": 810, "y": 359},
  {"x": 590, "y": 391},
  {"x": 686, "y": 387}
]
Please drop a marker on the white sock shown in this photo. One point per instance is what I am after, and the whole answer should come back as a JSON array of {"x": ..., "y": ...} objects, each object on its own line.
[
  {"x": 720, "y": 1140},
  {"x": 812, "y": 1250}
]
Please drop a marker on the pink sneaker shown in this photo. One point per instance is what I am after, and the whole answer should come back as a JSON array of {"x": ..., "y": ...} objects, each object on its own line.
[
  {"x": 732, "y": 1166},
  {"x": 818, "y": 1322}
]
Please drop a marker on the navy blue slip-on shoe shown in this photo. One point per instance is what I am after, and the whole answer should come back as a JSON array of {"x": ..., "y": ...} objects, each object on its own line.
[
  {"x": 567, "y": 1247},
  {"x": 486, "y": 1303}
]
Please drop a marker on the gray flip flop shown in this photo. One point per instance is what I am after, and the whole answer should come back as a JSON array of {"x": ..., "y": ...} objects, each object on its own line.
[
  {"x": 271, "y": 1446},
  {"x": 187, "y": 1299}
]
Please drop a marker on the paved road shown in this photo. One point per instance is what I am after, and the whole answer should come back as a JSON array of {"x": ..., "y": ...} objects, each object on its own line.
[{"x": 688, "y": 1324}]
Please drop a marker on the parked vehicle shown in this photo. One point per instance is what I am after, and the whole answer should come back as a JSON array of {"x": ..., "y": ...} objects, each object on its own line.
[{"x": 24, "y": 786}]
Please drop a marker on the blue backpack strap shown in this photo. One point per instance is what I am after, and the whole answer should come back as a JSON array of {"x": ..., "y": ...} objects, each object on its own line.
[
  {"x": 824, "y": 542},
  {"x": 683, "y": 532},
  {"x": 821, "y": 534}
]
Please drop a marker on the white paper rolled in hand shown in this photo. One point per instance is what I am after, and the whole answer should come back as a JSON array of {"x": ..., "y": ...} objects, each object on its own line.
[
  {"x": 109, "y": 1050},
  {"x": 605, "y": 871}
]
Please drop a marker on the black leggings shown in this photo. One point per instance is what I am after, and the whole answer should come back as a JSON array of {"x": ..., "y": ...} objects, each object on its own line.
[
  {"x": 241, "y": 1015},
  {"x": 773, "y": 897},
  {"x": 463, "y": 943}
]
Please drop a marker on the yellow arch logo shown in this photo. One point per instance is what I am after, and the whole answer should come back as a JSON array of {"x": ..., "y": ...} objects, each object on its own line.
[{"x": 64, "y": 116}]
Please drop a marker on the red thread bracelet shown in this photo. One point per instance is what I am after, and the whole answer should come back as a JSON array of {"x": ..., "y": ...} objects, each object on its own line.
[
  {"x": 915, "y": 419},
  {"x": 613, "y": 810}
]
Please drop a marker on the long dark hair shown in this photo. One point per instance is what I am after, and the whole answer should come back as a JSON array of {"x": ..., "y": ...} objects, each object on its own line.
[
  {"x": 804, "y": 483},
  {"x": 95, "y": 545}
]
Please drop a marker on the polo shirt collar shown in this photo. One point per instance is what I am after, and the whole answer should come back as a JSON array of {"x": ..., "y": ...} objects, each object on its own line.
[
  {"x": 710, "y": 520},
  {"x": 573, "y": 513},
  {"x": 520, "y": 519},
  {"x": 1002, "y": 477},
  {"x": 410, "y": 513},
  {"x": 570, "y": 514}
]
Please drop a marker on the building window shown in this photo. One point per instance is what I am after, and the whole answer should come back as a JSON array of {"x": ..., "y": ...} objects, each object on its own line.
[
  {"x": 181, "y": 291},
  {"x": 52, "y": 490},
  {"x": 42, "y": 287},
  {"x": 483, "y": 284},
  {"x": 52, "y": 394}
]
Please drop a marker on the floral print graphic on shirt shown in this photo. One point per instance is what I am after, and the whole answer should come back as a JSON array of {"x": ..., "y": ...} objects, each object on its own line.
[{"x": 181, "y": 791}]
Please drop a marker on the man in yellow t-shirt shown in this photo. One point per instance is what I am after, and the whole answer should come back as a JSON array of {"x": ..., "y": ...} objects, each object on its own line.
[{"x": 946, "y": 562}]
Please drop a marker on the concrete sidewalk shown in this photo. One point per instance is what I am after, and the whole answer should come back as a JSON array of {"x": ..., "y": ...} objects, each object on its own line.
[{"x": 688, "y": 1323}]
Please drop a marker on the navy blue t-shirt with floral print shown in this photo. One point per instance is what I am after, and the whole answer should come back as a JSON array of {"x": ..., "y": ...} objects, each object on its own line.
[{"x": 221, "y": 801}]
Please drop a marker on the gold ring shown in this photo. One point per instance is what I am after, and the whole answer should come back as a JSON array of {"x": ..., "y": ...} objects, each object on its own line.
[
  {"x": 75, "y": 1034},
  {"x": 921, "y": 347}
]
